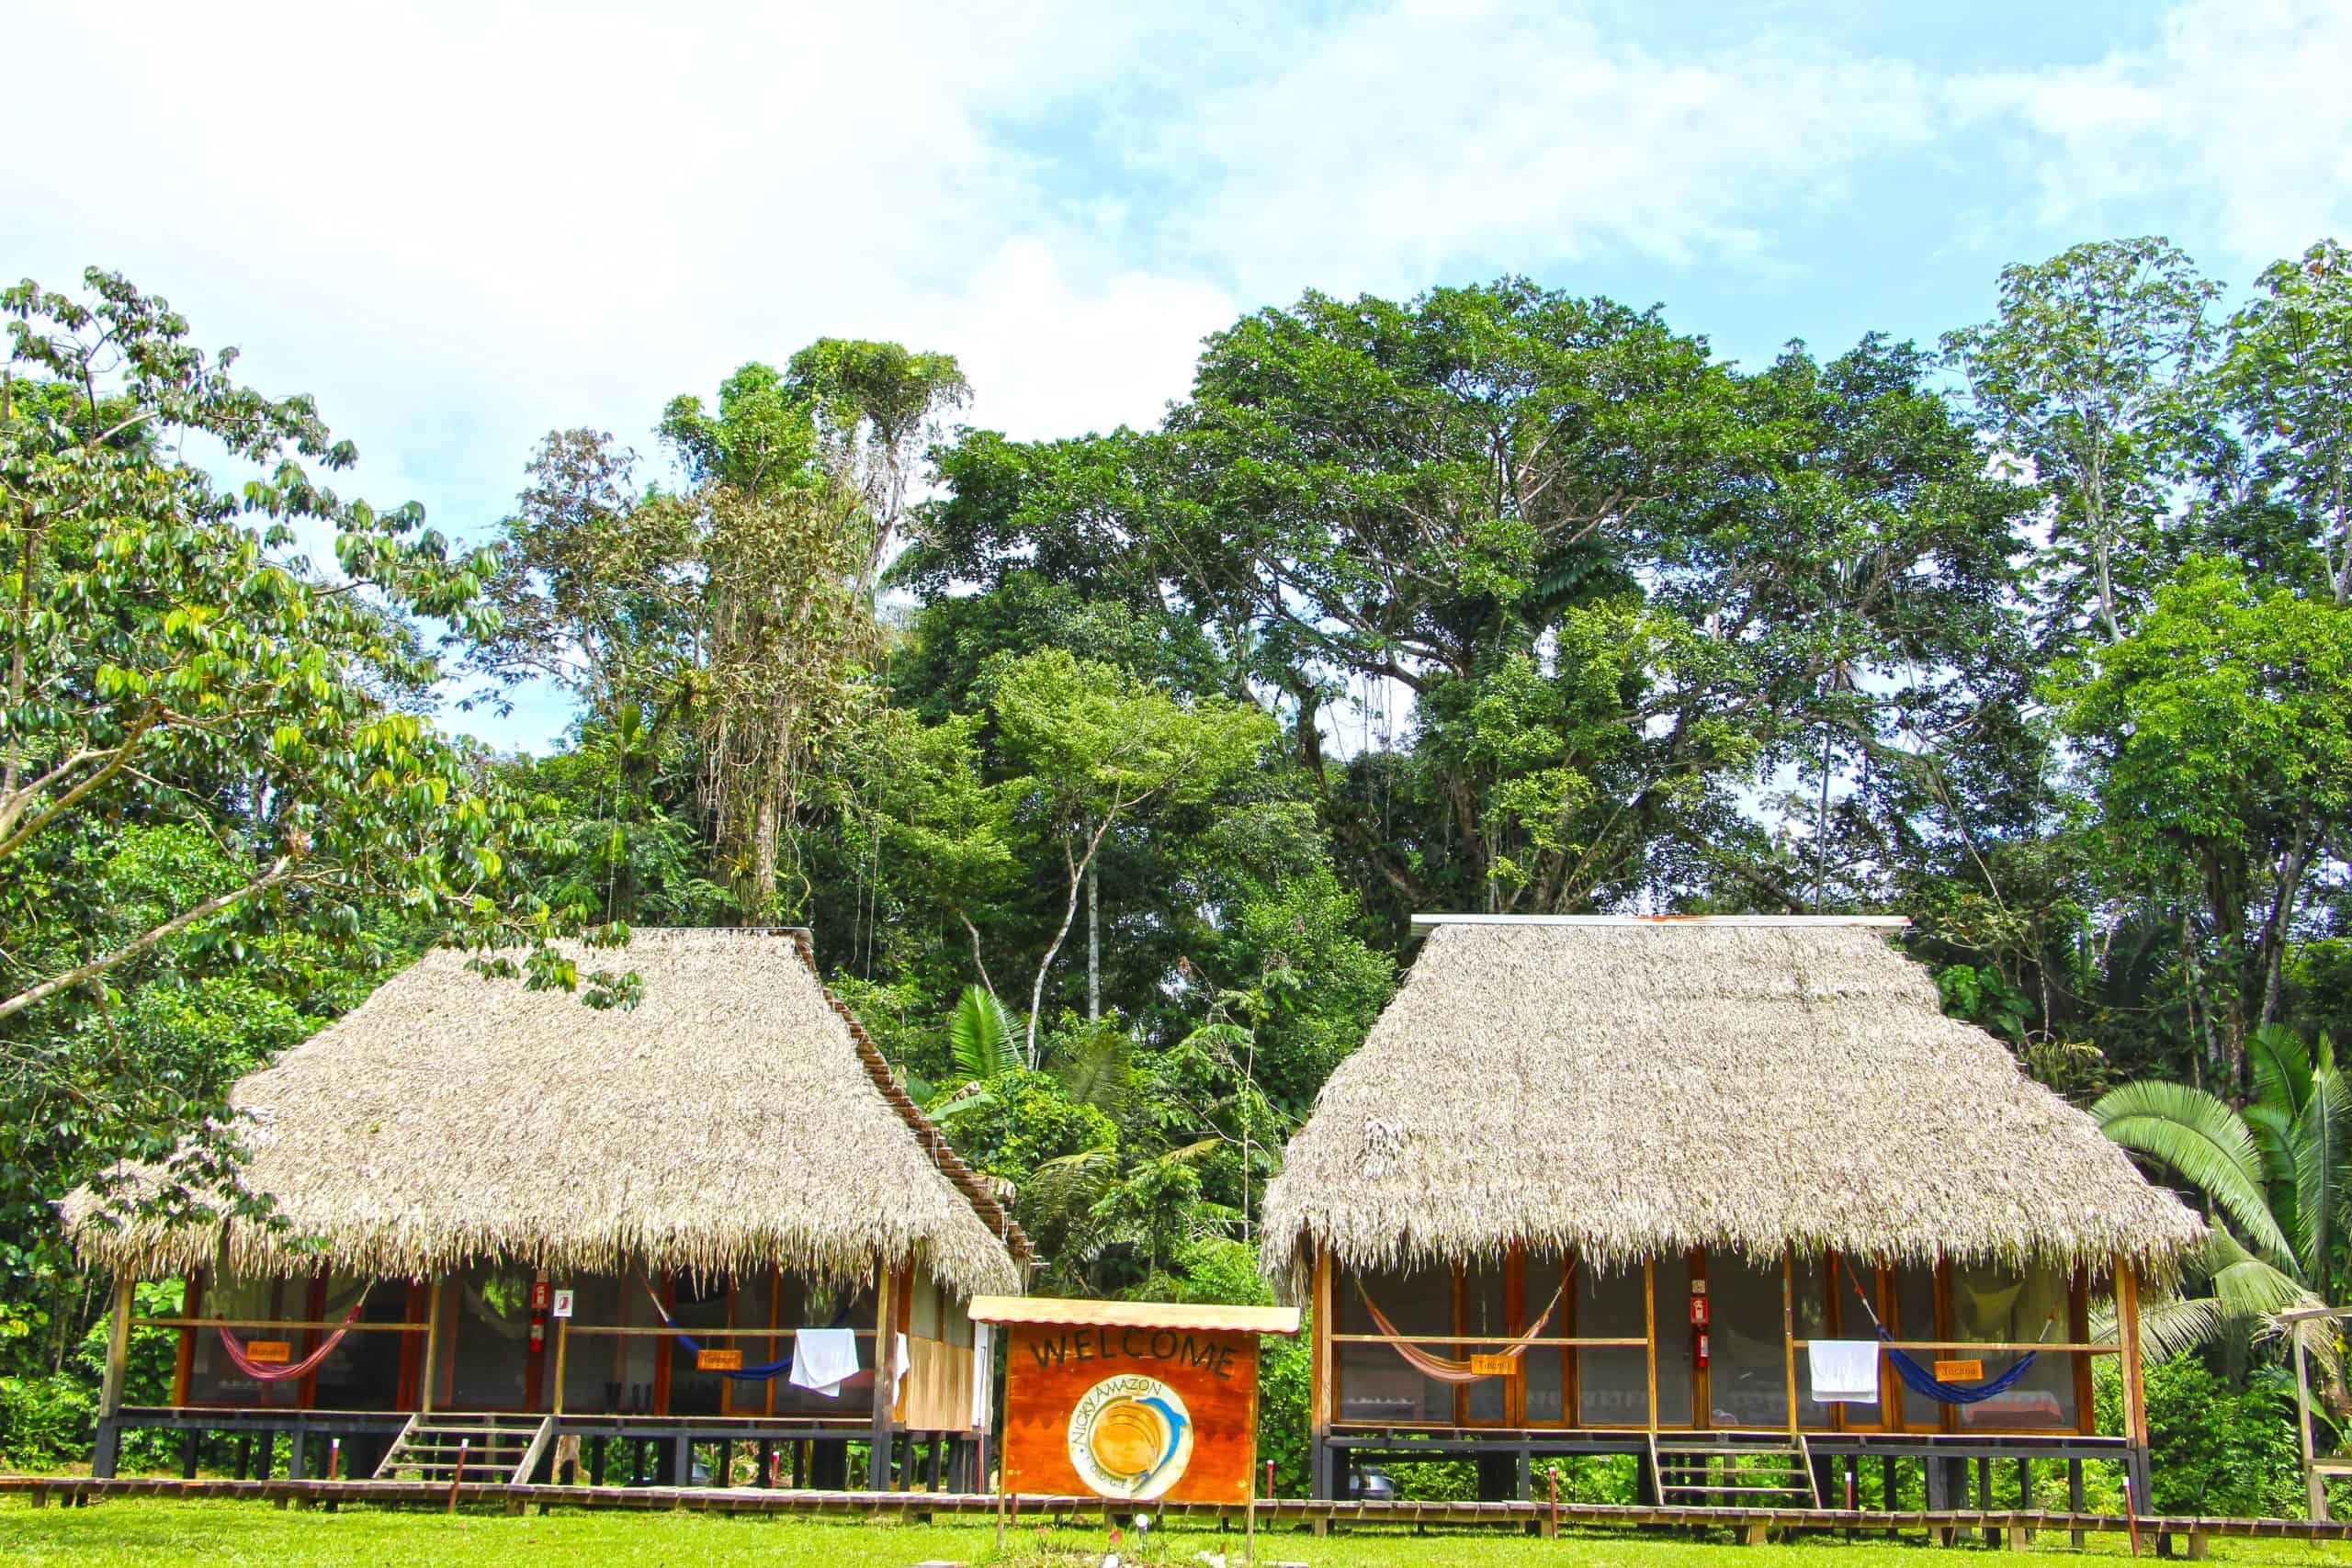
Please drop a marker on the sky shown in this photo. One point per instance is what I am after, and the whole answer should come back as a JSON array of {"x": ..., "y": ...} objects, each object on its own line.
[{"x": 460, "y": 226}]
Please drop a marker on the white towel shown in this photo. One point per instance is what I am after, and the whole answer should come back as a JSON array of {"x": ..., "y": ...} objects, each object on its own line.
[
  {"x": 1844, "y": 1371},
  {"x": 823, "y": 1359},
  {"x": 899, "y": 1369}
]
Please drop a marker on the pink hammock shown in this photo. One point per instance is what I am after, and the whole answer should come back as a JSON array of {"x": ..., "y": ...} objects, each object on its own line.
[
  {"x": 1445, "y": 1369},
  {"x": 266, "y": 1373}
]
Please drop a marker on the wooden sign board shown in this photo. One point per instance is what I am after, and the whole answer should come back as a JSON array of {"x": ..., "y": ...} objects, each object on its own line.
[
  {"x": 269, "y": 1352},
  {"x": 1959, "y": 1371},
  {"x": 718, "y": 1360},
  {"x": 1495, "y": 1366},
  {"x": 1130, "y": 1413}
]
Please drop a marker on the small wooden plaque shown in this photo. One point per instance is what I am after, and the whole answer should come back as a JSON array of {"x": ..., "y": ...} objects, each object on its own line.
[
  {"x": 269, "y": 1352},
  {"x": 718, "y": 1360},
  {"x": 1495, "y": 1366},
  {"x": 1959, "y": 1371}
]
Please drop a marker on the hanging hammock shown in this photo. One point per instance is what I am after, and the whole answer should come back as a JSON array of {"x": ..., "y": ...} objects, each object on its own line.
[
  {"x": 1446, "y": 1369},
  {"x": 1921, "y": 1379},
  {"x": 760, "y": 1373},
  {"x": 274, "y": 1372}
]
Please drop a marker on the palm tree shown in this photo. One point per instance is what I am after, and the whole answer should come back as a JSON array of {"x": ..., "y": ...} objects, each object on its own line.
[{"x": 2273, "y": 1176}]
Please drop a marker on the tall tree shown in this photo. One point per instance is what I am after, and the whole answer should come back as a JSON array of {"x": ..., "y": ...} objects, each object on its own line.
[{"x": 2090, "y": 375}]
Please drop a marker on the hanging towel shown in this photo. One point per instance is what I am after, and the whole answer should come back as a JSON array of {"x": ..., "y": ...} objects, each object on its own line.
[
  {"x": 1844, "y": 1371},
  {"x": 822, "y": 1358},
  {"x": 899, "y": 1369}
]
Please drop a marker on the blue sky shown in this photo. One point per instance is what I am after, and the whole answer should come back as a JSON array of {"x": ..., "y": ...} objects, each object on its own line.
[{"x": 460, "y": 225}]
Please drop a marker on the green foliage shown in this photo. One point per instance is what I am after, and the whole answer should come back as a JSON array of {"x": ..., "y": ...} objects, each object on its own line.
[{"x": 2216, "y": 1449}]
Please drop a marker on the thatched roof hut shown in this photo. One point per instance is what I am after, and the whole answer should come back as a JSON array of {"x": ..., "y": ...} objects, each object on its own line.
[
  {"x": 1632, "y": 1088},
  {"x": 737, "y": 1116}
]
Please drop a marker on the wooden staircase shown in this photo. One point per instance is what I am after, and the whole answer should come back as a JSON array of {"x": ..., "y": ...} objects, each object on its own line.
[
  {"x": 1735, "y": 1469},
  {"x": 493, "y": 1446}
]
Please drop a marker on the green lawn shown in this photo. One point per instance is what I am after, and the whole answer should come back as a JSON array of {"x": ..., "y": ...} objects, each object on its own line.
[{"x": 149, "y": 1534}]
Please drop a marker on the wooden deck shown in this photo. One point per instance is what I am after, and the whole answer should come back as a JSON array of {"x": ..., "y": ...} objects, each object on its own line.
[{"x": 1749, "y": 1524}]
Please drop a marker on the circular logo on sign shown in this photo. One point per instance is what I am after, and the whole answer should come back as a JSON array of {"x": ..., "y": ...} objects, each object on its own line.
[{"x": 1130, "y": 1436}]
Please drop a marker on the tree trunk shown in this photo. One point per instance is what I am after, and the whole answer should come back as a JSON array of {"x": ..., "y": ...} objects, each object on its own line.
[{"x": 1093, "y": 943}]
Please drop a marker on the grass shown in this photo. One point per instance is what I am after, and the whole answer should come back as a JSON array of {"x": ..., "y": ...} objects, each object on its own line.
[{"x": 142, "y": 1533}]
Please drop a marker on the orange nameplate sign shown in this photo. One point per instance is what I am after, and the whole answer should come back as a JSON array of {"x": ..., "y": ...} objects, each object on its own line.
[
  {"x": 1959, "y": 1371},
  {"x": 718, "y": 1360},
  {"x": 269, "y": 1352},
  {"x": 1495, "y": 1366}
]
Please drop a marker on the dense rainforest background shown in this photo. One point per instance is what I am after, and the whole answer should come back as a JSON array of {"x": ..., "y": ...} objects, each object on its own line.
[{"x": 1107, "y": 770}]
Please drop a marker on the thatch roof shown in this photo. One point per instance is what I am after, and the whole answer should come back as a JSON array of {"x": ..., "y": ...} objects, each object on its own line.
[
  {"x": 1633, "y": 1088},
  {"x": 736, "y": 1116}
]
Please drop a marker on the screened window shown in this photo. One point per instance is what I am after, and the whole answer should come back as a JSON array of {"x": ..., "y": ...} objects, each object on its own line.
[
  {"x": 1544, "y": 1366},
  {"x": 1996, "y": 1303},
  {"x": 1376, "y": 1383},
  {"x": 1612, "y": 1380},
  {"x": 1748, "y": 1371},
  {"x": 800, "y": 1304},
  {"x": 213, "y": 1379},
  {"x": 700, "y": 1303},
  {"x": 486, "y": 1321},
  {"x": 608, "y": 1374},
  {"x": 1485, "y": 1314},
  {"x": 363, "y": 1371}
]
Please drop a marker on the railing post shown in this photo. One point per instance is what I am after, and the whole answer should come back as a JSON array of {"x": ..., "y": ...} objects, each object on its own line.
[{"x": 2314, "y": 1487}]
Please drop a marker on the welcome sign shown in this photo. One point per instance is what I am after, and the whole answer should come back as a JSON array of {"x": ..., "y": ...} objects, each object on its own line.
[{"x": 1133, "y": 1401}]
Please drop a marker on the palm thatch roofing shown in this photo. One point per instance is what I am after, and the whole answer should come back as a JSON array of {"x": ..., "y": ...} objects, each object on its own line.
[
  {"x": 1633, "y": 1088},
  {"x": 737, "y": 1116}
]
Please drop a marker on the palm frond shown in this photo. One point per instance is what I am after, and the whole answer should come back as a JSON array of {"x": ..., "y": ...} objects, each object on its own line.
[
  {"x": 2207, "y": 1144},
  {"x": 1099, "y": 1070},
  {"x": 981, "y": 1036},
  {"x": 2320, "y": 1135},
  {"x": 2281, "y": 1065},
  {"x": 2173, "y": 1325}
]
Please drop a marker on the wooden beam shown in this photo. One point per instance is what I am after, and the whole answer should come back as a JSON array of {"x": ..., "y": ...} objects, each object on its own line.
[
  {"x": 118, "y": 1345},
  {"x": 1788, "y": 1331},
  {"x": 1649, "y": 1329},
  {"x": 1324, "y": 1392},
  {"x": 432, "y": 1378},
  {"x": 2135, "y": 1394},
  {"x": 886, "y": 1348}
]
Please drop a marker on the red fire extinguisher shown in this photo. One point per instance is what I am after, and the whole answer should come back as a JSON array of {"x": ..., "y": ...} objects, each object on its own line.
[
  {"x": 1698, "y": 1347},
  {"x": 541, "y": 1293}
]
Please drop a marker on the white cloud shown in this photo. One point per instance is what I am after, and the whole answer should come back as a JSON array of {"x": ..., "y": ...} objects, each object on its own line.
[
  {"x": 2238, "y": 112},
  {"x": 460, "y": 224}
]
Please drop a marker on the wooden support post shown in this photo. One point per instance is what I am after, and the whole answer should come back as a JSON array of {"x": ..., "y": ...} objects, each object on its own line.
[
  {"x": 1323, "y": 1390},
  {"x": 2127, "y": 1326},
  {"x": 1789, "y": 1333},
  {"x": 2074, "y": 1495},
  {"x": 563, "y": 1343},
  {"x": 117, "y": 1347},
  {"x": 432, "y": 1347},
  {"x": 886, "y": 1348},
  {"x": 1649, "y": 1336}
]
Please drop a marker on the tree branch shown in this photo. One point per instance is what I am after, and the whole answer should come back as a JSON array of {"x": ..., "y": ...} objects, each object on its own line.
[{"x": 279, "y": 870}]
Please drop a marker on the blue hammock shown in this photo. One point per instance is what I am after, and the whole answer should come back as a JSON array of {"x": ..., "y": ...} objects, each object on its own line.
[
  {"x": 1921, "y": 1379},
  {"x": 760, "y": 1373}
]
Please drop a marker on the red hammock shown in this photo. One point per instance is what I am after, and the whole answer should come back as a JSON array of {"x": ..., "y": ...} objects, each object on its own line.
[
  {"x": 266, "y": 1373},
  {"x": 1445, "y": 1369}
]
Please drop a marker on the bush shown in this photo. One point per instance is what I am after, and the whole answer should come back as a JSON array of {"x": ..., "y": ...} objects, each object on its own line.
[
  {"x": 46, "y": 1421},
  {"x": 2215, "y": 1450}
]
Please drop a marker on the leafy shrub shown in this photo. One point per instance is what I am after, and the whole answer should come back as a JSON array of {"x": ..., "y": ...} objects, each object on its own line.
[
  {"x": 2216, "y": 1449},
  {"x": 47, "y": 1420}
]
